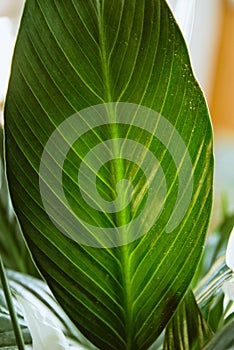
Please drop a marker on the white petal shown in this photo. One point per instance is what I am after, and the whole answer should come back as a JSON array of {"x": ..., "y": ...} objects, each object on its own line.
[
  {"x": 228, "y": 288},
  {"x": 230, "y": 251},
  {"x": 184, "y": 11},
  {"x": 44, "y": 332},
  {"x": 228, "y": 310}
]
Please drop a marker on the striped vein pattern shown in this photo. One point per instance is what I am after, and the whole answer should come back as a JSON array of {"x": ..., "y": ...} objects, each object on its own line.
[{"x": 80, "y": 53}]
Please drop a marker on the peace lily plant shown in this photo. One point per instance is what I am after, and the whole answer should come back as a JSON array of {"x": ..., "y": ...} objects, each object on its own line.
[{"x": 109, "y": 163}]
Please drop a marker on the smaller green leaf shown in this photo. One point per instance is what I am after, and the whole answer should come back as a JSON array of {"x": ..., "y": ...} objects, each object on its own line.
[
  {"x": 14, "y": 252},
  {"x": 6, "y": 289},
  {"x": 7, "y": 336},
  {"x": 209, "y": 294},
  {"x": 223, "y": 340},
  {"x": 209, "y": 288},
  {"x": 216, "y": 314},
  {"x": 215, "y": 247},
  {"x": 187, "y": 329},
  {"x": 230, "y": 317}
]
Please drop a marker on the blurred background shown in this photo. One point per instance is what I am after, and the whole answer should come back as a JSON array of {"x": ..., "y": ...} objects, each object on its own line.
[{"x": 212, "y": 54}]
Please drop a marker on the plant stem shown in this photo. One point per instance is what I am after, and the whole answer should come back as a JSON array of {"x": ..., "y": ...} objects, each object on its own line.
[{"x": 9, "y": 300}]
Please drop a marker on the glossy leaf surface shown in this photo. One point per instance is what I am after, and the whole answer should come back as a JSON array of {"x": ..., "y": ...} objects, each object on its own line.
[{"x": 129, "y": 58}]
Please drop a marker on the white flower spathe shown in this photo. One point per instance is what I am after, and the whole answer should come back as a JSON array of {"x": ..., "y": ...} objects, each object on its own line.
[
  {"x": 184, "y": 12},
  {"x": 228, "y": 286},
  {"x": 44, "y": 331},
  {"x": 230, "y": 251}
]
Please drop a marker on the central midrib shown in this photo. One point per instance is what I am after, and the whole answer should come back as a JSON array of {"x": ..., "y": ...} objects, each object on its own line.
[{"x": 121, "y": 218}]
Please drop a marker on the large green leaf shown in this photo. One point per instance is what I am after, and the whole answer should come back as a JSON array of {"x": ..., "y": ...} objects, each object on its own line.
[{"x": 128, "y": 253}]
